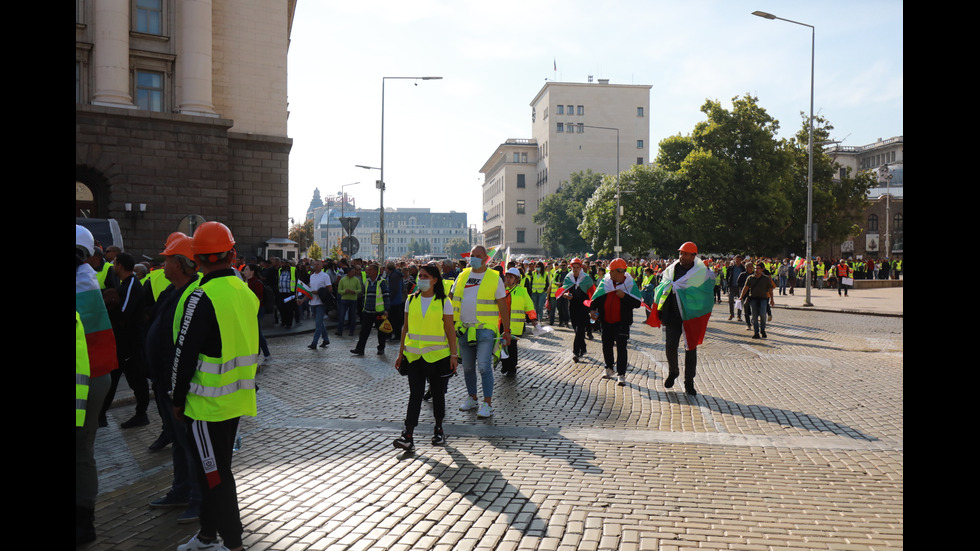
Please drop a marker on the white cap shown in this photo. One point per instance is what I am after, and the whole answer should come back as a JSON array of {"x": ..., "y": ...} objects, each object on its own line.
[{"x": 514, "y": 272}]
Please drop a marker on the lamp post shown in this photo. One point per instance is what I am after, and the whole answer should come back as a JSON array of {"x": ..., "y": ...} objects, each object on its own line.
[
  {"x": 809, "y": 174},
  {"x": 618, "y": 250},
  {"x": 381, "y": 185}
]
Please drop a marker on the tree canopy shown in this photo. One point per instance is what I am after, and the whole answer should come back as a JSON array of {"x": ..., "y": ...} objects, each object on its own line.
[{"x": 561, "y": 212}]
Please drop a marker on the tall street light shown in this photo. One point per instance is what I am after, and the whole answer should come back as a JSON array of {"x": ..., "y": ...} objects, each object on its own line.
[
  {"x": 618, "y": 250},
  {"x": 381, "y": 186},
  {"x": 809, "y": 175}
]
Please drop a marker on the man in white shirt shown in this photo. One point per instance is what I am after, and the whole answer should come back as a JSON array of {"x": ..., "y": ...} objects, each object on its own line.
[
  {"x": 480, "y": 301},
  {"x": 319, "y": 280}
]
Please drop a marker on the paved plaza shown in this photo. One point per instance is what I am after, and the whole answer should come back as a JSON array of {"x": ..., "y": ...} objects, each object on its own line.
[{"x": 793, "y": 442}]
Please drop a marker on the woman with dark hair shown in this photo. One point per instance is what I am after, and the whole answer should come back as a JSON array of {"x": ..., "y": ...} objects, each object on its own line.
[{"x": 428, "y": 352}]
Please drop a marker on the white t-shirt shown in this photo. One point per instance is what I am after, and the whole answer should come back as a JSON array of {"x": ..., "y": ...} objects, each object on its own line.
[
  {"x": 467, "y": 309},
  {"x": 318, "y": 280}
]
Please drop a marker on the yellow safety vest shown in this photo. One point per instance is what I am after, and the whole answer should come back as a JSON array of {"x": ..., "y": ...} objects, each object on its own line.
[
  {"x": 520, "y": 304},
  {"x": 103, "y": 274},
  {"x": 179, "y": 312},
  {"x": 82, "y": 372},
  {"x": 487, "y": 313},
  {"x": 224, "y": 388},
  {"x": 538, "y": 282},
  {"x": 426, "y": 336},
  {"x": 158, "y": 282}
]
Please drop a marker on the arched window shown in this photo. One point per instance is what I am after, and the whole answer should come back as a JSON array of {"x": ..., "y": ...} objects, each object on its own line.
[
  {"x": 898, "y": 222},
  {"x": 873, "y": 223}
]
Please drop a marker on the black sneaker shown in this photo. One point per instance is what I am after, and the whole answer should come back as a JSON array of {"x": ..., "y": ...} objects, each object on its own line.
[
  {"x": 438, "y": 438},
  {"x": 689, "y": 388},
  {"x": 138, "y": 420},
  {"x": 357, "y": 352},
  {"x": 670, "y": 381},
  {"x": 325, "y": 344},
  {"x": 404, "y": 442}
]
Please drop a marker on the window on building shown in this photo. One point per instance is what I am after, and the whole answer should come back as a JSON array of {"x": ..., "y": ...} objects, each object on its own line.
[
  {"x": 639, "y": 160},
  {"x": 561, "y": 128},
  {"x": 639, "y": 144},
  {"x": 570, "y": 110},
  {"x": 581, "y": 109},
  {"x": 580, "y": 128},
  {"x": 149, "y": 16},
  {"x": 523, "y": 157},
  {"x": 873, "y": 223},
  {"x": 521, "y": 206},
  {"x": 520, "y": 180},
  {"x": 517, "y": 157},
  {"x": 520, "y": 236},
  {"x": 560, "y": 110},
  {"x": 149, "y": 91},
  {"x": 639, "y": 111},
  {"x": 898, "y": 222}
]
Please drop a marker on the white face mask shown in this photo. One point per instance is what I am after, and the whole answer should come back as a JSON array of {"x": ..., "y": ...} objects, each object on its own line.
[
  {"x": 476, "y": 262},
  {"x": 424, "y": 284}
]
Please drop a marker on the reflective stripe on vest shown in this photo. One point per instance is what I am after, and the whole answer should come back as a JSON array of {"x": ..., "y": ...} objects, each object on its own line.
[
  {"x": 426, "y": 336},
  {"x": 224, "y": 388}
]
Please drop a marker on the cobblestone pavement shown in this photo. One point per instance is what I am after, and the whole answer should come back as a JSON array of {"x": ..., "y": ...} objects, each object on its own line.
[{"x": 794, "y": 442}]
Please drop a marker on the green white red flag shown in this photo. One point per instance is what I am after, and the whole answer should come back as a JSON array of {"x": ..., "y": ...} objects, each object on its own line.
[{"x": 694, "y": 293}]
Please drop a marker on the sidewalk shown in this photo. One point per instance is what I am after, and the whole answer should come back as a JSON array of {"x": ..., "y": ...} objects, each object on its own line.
[{"x": 877, "y": 302}]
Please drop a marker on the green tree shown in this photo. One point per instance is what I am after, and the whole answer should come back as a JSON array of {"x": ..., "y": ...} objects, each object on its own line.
[
  {"x": 652, "y": 216},
  {"x": 457, "y": 246},
  {"x": 302, "y": 234},
  {"x": 839, "y": 200},
  {"x": 416, "y": 247},
  {"x": 561, "y": 213},
  {"x": 315, "y": 252}
]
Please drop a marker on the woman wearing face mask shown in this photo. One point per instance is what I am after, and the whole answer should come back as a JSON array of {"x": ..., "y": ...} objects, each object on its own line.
[{"x": 428, "y": 352}]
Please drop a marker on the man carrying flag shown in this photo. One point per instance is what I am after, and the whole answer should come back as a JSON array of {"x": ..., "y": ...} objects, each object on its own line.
[
  {"x": 577, "y": 288},
  {"x": 683, "y": 303},
  {"x": 612, "y": 303}
]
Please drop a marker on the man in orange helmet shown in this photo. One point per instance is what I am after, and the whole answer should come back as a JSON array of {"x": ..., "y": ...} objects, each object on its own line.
[
  {"x": 215, "y": 361},
  {"x": 612, "y": 304}
]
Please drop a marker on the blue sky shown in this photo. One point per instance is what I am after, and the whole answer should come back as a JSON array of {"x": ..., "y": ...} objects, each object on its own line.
[{"x": 495, "y": 56}]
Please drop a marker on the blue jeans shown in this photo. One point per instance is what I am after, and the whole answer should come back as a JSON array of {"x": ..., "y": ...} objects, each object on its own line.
[
  {"x": 478, "y": 358},
  {"x": 539, "y": 299},
  {"x": 319, "y": 310},
  {"x": 185, "y": 484},
  {"x": 345, "y": 309},
  {"x": 758, "y": 308}
]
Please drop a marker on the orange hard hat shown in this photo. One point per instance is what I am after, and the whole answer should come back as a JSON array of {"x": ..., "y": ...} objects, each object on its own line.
[
  {"x": 689, "y": 248},
  {"x": 617, "y": 264},
  {"x": 213, "y": 238},
  {"x": 179, "y": 243},
  {"x": 576, "y": 260}
]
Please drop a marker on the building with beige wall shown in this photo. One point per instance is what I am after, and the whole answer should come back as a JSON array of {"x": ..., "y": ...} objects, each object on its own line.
[
  {"x": 574, "y": 127},
  {"x": 180, "y": 112}
]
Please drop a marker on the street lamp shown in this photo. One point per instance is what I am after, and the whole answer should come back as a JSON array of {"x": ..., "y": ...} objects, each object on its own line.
[
  {"x": 809, "y": 175},
  {"x": 381, "y": 186},
  {"x": 618, "y": 250}
]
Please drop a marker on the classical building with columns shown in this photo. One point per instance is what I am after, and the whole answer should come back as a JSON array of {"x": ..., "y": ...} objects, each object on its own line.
[{"x": 180, "y": 117}]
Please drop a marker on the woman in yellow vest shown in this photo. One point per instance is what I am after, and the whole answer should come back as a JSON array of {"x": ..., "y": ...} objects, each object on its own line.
[{"x": 428, "y": 352}]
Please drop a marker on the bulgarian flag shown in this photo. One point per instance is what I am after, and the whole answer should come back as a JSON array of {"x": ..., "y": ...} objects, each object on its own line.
[
  {"x": 585, "y": 283},
  {"x": 695, "y": 297},
  {"x": 304, "y": 289},
  {"x": 99, "y": 339},
  {"x": 607, "y": 285},
  {"x": 799, "y": 263}
]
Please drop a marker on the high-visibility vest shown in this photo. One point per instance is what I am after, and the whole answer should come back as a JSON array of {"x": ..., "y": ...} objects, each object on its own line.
[
  {"x": 426, "y": 337},
  {"x": 520, "y": 305},
  {"x": 158, "y": 282},
  {"x": 821, "y": 269},
  {"x": 224, "y": 388},
  {"x": 538, "y": 282},
  {"x": 103, "y": 274},
  {"x": 82, "y": 372},
  {"x": 379, "y": 299},
  {"x": 487, "y": 313}
]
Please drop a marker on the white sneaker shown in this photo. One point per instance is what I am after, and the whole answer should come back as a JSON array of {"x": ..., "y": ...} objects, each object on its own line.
[
  {"x": 622, "y": 380},
  {"x": 468, "y": 404},
  {"x": 195, "y": 544},
  {"x": 485, "y": 410},
  {"x": 610, "y": 373}
]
